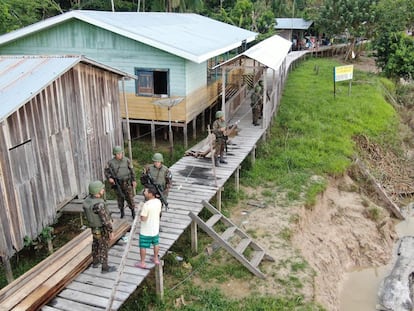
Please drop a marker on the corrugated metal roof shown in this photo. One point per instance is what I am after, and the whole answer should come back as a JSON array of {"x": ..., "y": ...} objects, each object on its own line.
[
  {"x": 270, "y": 52},
  {"x": 190, "y": 36},
  {"x": 23, "y": 77},
  {"x": 292, "y": 23}
]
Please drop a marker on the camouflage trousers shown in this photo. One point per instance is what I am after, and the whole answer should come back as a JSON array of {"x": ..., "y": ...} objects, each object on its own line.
[
  {"x": 256, "y": 114},
  {"x": 219, "y": 147},
  {"x": 100, "y": 245},
  {"x": 128, "y": 191}
]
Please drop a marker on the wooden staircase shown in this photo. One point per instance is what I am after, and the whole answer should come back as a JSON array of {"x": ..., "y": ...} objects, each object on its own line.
[{"x": 232, "y": 239}]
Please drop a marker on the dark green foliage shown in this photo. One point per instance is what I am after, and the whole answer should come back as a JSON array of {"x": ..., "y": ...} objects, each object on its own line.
[
  {"x": 394, "y": 49},
  {"x": 353, "y": 17}
]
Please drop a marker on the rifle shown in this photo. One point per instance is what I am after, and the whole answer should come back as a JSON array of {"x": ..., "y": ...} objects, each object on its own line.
[
  {"x": 158, "y": 188},
  {"x": 117, "y": 185},
  {"x": 230, "y": 130}
]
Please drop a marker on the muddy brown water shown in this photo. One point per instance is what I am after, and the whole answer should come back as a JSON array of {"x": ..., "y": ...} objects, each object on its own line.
[{"x": 360, "y": 288}]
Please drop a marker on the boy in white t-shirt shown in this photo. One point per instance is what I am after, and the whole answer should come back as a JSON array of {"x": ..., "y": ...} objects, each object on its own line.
[{"x": 150, "y": 225}]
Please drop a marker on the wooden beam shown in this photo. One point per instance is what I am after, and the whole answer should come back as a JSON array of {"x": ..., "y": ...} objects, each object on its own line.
[
  {"x": 194, "y": 128},
  {"x": 380, "y": 190},
  {"x": 237, "y": 178},
  {"x": 194, "y": 237},
  {"x": 253, "y": 155},
  {"x": 220, "y": 190},
  {"x": 154, "y": 144},
  {"x": 159, "y": 280},
  {"x": 185, "y": 136}
]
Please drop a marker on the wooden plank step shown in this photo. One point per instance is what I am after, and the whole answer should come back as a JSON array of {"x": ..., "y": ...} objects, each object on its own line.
[
  {"x": 213, "y": 220},
  {"x": 257, "y": 258},
  {"x": 241, "y": 247},
  {"x": 228, "y": 233},
  {"x": 226, "y": 246}
]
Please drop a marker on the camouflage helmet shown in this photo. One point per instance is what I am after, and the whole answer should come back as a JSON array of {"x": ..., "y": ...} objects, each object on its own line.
[
  {"x": 219, "y": 114},
  {"x": 95, "y": 187},
  {"x": 117, "y": 149},
  {"x": 157, "y": 157}
]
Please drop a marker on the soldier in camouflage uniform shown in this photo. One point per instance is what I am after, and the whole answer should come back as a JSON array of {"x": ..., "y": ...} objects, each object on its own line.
[
  {"x": 255, "y": 103},
  {"x": 100, "y": 222},
  {"x": 260, "y": 92},
  {"x": 121, "y": 175},
  {"x": 159, "y": 173},
  {"x": 219, "y": 130}
]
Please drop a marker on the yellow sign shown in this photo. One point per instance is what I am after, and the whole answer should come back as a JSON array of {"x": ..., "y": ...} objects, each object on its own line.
[{"x": 343, "y": 73}]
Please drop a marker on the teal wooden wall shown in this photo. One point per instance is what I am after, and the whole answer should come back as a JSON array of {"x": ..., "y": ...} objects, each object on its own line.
[{"x": 78, "y": 37}]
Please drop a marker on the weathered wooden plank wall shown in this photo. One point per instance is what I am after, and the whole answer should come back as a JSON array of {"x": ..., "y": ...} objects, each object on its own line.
[{"x": 52, "y": 147}]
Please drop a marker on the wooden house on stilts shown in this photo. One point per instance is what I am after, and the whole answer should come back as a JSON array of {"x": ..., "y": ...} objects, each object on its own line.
[
  {"x": 59, "y": 119},
  {"x": 171, "y": 54}
]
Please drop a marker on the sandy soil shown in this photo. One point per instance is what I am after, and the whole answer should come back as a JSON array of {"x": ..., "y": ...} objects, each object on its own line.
[{"x": 333, "y": 237}]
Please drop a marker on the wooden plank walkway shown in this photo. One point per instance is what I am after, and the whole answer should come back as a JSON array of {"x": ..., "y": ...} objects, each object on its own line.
[{"x": 193, "y": 182}]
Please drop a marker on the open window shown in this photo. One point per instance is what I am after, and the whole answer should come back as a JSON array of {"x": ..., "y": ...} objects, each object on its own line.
[{"x": 152, "y": 82}]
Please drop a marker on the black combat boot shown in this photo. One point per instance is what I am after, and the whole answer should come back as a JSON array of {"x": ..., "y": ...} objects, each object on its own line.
[
  {"x": 133, "y": 213},
  {"x": 216, "y": 162},
  {"x": 222, "y": 159},
  {"x": 108, "y": 269},
  {"x": 122, "y": 213}
]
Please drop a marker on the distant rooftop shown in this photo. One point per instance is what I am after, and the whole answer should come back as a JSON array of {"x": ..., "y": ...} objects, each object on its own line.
[{"x": 292, "y": 23}]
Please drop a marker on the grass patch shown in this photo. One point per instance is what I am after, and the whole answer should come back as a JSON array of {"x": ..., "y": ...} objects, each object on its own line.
[{"x": 313, "y": 131}]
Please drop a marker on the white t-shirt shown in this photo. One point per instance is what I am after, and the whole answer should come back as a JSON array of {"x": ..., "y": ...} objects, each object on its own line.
[{"x": 151, "y": 209}]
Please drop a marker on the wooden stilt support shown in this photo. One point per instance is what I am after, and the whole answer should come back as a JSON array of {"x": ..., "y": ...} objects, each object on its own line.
[
  {"x": 203, "y": 121},
  {"x": 237, "y": 178},
  {"x": 219, "y": 199},
  {"x": 253, "y": 153},
  {"x": 159, "y": 280},
  {"x": 195, "y": 128},
  {"x": 154, "y": 145},
  {"x": 194, "y": 238},
  {"x": 185, "y": 132}
]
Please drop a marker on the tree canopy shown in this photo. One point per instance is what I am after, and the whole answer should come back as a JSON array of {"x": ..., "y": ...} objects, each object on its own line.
[{"x": 386, "y": 22}]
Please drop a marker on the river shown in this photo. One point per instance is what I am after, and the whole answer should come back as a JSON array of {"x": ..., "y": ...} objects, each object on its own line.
[{"x": 360, "y": 288}]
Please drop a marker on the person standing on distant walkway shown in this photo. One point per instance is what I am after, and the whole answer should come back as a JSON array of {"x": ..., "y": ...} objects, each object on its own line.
[
  {"x": 100, "y": 222},
  {"x": 121, "y": 175},
  {"x": 150, "y": 226},
  {"x": 255, "y": 103},
  {"x": 219, "y": 130}
]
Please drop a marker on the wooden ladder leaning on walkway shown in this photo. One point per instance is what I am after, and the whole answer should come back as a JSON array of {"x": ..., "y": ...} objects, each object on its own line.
[{"x": 233, "y": 239}]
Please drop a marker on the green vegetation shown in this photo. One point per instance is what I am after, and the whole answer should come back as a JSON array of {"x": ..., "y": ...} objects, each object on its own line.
[{"x": 313, "y": 133}]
